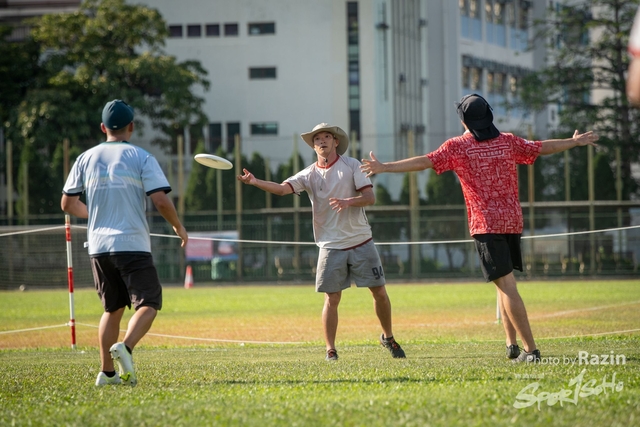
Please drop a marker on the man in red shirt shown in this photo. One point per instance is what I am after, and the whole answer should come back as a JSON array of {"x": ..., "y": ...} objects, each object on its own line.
[{"x": 485, "y": 161}]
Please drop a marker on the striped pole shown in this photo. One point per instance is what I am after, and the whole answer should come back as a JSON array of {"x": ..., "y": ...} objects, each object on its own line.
[{"x": 72, "y": 316}]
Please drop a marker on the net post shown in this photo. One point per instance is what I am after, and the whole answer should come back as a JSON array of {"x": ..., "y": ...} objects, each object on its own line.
[
  {"x": 72, "y": 317},
  {"x": 498, "y": 311}
]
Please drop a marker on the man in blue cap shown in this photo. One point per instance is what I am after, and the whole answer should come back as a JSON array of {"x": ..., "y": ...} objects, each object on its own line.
[{"x": 117, "y": 177}]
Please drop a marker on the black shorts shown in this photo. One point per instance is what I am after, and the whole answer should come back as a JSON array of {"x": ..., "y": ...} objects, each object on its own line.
[
  {"x": 499, "y": 254},
  {"x": 125, "y": 279}
]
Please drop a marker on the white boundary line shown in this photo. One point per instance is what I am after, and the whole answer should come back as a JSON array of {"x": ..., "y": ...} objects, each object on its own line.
[
  {"x": 207, "y": 339},
  {"x": 432, "y": 242},
  {"x": 427, "y": 242},
  {"x": 33, "y": 329}
]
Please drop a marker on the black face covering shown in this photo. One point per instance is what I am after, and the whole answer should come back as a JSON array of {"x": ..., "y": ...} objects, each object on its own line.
[{"x": 477, "y": 114}]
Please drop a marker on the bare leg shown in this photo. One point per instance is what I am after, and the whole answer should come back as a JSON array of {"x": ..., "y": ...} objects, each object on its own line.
[
  {"x": 382, "y": 307},
  {"x": 514, "y": 310},
  {"x": 139, "y": 325},
  {"x": 509, "y": 329},
  {"x": 330, "y": 318},
  {"x": 108, "y": 332}
]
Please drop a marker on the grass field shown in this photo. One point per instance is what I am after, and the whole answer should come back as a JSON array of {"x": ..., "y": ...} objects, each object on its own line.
[{"x": 254, "y": 355}]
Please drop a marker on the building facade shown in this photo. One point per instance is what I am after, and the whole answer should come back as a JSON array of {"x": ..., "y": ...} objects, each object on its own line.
[{"x": 386, "y": 71}]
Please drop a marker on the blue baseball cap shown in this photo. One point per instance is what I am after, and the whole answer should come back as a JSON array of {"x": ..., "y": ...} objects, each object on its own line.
[{"x": 117, "y": 114}]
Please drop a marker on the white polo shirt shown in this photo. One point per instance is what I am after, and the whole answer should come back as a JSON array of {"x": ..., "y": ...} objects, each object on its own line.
[
  {"x": 117, "y": 177},
  {"x": 341, "y": 179}
]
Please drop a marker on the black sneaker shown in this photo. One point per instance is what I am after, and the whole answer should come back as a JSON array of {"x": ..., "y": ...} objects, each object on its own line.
[
  {"x": 392, "y": 345},
  {"x": 532, "y": 357},
  {"x": 332, "y": 354},
  {"x": 513, "y": 351}
]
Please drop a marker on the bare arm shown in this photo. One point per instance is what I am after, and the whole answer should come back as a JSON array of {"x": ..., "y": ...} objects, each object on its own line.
[
  {"x": 74, "y": 206},
  {"x": 373, "y": 166},
  {"x": 552, "y": 146},
  {"x": 633, "y": 82},
  {"x": 270, "y": 186},
  {"x": 367, "y": 197},
  {"x": 166, "y": 208}
]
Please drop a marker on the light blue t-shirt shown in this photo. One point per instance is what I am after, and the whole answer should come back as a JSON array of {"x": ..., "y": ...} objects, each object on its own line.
[{"x": 116, "y": 177}]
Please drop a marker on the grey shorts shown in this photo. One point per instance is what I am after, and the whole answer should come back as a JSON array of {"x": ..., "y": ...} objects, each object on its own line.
[
  {"x": 125, "y": 279},
  {"x": 337, "y": 267}
]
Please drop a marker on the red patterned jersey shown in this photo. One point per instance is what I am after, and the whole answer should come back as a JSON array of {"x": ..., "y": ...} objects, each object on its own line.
[{"x": 489, "y": 178}]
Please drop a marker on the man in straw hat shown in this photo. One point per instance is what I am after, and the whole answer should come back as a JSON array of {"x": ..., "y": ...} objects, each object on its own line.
[
  {"x": 339, "y": 191},
  {"x": 485, "y": 161}
]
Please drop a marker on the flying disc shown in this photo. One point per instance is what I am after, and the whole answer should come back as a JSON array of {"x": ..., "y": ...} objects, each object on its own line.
[{"x": 213, "y": 161}]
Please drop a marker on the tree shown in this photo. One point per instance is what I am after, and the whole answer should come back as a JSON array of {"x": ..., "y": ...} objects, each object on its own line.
[
  {"x": 286, "y": 170},
  {"x": 107, "y": 49},
  {"x": 586, "y": 78}
]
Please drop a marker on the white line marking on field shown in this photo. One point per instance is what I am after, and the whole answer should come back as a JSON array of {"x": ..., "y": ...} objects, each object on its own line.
[
  {"x": 578, "y": 310},
  {"x": 33, "y": 329}
]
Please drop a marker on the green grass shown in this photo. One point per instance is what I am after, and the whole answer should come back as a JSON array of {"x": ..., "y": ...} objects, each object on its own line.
[{"x": 455, "y": 372}]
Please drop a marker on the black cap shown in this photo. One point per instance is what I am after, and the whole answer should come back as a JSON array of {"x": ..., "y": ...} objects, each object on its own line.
[
  {"x": 477, "y": 114},
  {"x": 117, "y": 114}
]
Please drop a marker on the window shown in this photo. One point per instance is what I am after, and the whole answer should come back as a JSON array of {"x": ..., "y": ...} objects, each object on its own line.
[
  {"x": 233, "y": 129},
  {"x": 466, "y": 73},
  {"x": 262, "y": 73},
  {"x": 262, "y": 28},
  {"x": 490, "y": 82},
  {"x": 175, "y": 31},
  {"x": 212, "y": 30},
  {"x": 269, "y": 128},
  {"x": 215, "y": 137},
  {"x": 523, "y": 23},
  {"x": 464, "y": 7},
  {"x": 230, "y": 30},
  {"x": 194, "y": 30},
  {"x": 473, "y": 9},
  {"x": 476, "y": 74},
  {"x": 354, "y": 73},
  {"x": 488, "y": 7},
  {"x": 513, "y": 85},
  {"x": 500, "y": 80}
]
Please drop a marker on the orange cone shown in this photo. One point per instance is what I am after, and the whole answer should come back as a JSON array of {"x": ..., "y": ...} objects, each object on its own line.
[{"x": 188, "y": 278}]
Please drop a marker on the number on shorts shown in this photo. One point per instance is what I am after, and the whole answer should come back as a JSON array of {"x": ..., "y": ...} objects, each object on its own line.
[{"x": 377, "y": 272}]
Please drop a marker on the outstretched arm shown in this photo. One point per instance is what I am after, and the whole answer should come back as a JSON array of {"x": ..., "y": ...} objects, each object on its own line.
[
  {"x": 270, "y": 186},
  {"x": 552, "y": 146},
  {"x": 373, "y": 166}
]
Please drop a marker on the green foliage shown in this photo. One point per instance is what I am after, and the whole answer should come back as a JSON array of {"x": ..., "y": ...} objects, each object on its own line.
[
  {"x": 450, "y": 224},
  {"x": 18, "y": 71},
  {"x": 444, "y": 189},
  {"x": 587, "y": 44},
  {"x": 383, "y": 197},
  {"x": 286, "y": 170},
  {"x": 199, "y": 195},
  {"x": 107, "y": 49}
]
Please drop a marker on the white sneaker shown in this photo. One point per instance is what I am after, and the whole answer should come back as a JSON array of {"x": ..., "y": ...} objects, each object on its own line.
[
  {"x": 124, "y": 360},
  {"x": 103, "y": 379}
]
